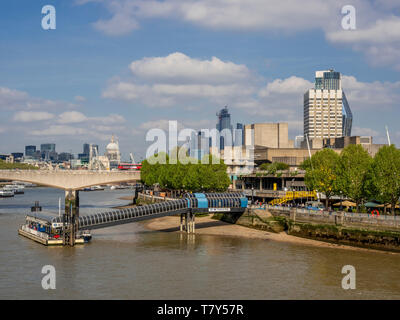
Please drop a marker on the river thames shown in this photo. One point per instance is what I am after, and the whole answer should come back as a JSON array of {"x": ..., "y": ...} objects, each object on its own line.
[{"x": 131, "y": 262}]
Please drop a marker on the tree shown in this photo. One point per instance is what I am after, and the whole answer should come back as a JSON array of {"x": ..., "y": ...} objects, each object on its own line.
[
  {"x": 21, "y": 166},
  {"x": 352, "y": 172},
  {"x": 272, "y": 168},
  {"x": 320, "y": 172},
  {"x": 193, "y": 176},
  {"x": 385, "y": 175}
]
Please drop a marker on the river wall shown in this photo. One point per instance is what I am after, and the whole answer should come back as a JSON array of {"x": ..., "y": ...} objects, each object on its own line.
[
  {"x": 365, "y": 231},
  {"x": 355, "y": 229}
]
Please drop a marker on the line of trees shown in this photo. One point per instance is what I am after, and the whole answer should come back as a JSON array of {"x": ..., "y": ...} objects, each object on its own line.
[
  {"x": 22, "y": 166},
  {"x": 355, "y": 174},
  {"x": 193, "y": 176}
]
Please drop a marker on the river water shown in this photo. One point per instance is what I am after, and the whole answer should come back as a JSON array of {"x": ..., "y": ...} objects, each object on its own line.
[{"x": 130, "y": 262}]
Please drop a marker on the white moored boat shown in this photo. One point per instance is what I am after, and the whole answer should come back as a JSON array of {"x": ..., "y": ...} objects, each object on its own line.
[{"x": 6, "y": 193}]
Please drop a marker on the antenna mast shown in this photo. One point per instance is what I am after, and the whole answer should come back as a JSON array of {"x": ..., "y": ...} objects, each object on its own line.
[{"x": 387, "y": 134}]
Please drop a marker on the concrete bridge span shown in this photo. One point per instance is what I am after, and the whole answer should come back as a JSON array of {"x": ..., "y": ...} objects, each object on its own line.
[{"x": 70, "y": 179}]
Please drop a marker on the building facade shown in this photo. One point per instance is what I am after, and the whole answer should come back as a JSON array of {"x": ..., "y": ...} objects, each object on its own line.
[
  {"x": 327, "y": 113},
  {"x": 30, "y": 151},
  {"x": 271, "y": 135}
]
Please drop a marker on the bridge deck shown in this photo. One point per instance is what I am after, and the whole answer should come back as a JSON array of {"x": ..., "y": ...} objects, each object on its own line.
[{"x": 151, "y": 211}]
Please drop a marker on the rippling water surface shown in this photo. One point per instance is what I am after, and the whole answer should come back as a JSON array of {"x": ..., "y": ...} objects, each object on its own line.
[{"x": 129, "y": 262}]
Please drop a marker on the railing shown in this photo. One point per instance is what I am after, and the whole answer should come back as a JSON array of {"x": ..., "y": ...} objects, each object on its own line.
[
  {"x": 35, "y": 232},
  {"x": 343, "y": 218},
  {"x": 291, "y": 195}
]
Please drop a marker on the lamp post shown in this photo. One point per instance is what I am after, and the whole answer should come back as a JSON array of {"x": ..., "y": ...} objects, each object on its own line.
[
  {"x": 341, "y": 199},
  {"x": 252, "y": 195}
]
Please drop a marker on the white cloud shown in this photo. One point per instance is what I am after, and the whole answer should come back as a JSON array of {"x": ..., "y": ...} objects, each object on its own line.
[
  {"x": 71, "y": 117},
  {"x": 77, "y": 117},
  {"x": 110, "y": 119},
  {"x": 377, "y": 34},
  {"x": 11, "y": 99},
  {"x": 30, "y": 116},
  {"x": 179, "y": 68},
  {"x": 284, "y": 15},
  {"x": 380, "y": 42},
  {"x": 177, "y": 78},
  {"x": 57, "y": 130},
  {"x": 291, "y": 85},
  {"x": 362, "y": 95}
]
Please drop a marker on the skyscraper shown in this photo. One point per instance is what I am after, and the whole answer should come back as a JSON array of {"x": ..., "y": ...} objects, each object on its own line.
[
  {"x": 224, "y": 122},
  {"x": 86, "y": 148},
  {"x": 327, "y": 112},
  {"x": 30, "y": 151},
  {"x": 50, "y": 147},
  {"x": 48, "y": 151}
]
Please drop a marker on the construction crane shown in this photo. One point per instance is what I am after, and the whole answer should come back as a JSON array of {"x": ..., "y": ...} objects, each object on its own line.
[{"x": 132, "y": 158}]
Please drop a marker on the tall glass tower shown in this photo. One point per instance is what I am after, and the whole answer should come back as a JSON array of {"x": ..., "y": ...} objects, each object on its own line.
[
  {"x": 224, "y": 122},
  {"x": 327, "y": 113}
]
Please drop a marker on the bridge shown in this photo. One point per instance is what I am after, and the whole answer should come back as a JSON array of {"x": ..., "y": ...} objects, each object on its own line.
[
  {"x": 70, "y": 179},
  {"x": 186, "y": 207}
]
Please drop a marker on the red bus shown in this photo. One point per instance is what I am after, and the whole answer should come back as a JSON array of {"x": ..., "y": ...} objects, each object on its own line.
[{"x": 129, "y": 166}]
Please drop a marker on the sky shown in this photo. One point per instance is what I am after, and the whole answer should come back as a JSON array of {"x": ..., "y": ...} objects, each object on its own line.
[{"x": 125, "y": 67}]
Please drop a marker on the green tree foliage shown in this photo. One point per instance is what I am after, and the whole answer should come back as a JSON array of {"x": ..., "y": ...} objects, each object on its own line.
[
  {"x": 272, "y": 168},
  {"x": 194, "y": 176},
  {"x": 385, "y": 175},
  {"x": 21, "y": 166},
  {"x": 321, "y": 172},
  {"x": 352, "y": 173}
]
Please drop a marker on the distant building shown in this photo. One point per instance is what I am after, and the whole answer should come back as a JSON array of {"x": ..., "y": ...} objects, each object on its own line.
[
  {"x": 86, "y": 148},
  {"x": 17, "y": 156},
  {"x": 271, "y": 135},
  {"x": 65, "y": 156},
  {"x": 48, "y": 152},
  {"x": 365, "y": 141},
  {"x": 30, "y": 151},
  {"x": 224, "y": 126},
  {"x": 297, "y": 141},
  {"x": 113, "y": 154},
  {"x": 327, "y": 112},
  {"x": 50, "y": 147},
  {"x": 199, "y": 145},
  {"x": 239, "y": 135}
]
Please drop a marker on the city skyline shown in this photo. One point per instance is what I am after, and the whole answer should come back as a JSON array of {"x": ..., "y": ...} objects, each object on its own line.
[{"x": 153, "y": 67}]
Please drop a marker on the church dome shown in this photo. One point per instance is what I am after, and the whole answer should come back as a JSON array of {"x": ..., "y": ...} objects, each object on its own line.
[{"x": 112, "y": 146}]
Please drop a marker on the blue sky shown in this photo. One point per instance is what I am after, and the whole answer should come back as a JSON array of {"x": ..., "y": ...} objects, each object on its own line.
[{"x": 125, "y": 67}]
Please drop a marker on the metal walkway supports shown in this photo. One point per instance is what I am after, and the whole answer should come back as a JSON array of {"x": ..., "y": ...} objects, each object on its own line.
[
  {"x": 71, "y": 217},
  {"x": 190, "y": 223}
]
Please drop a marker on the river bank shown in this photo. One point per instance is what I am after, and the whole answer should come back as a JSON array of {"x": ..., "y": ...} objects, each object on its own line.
[{"x": 206, "y": 225}]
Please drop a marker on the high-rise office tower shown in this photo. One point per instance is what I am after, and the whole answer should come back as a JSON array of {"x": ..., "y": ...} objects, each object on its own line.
[
  {"x": 327, "y": 113},
  {"x": 48, "y": 151},
  {"x": 224, "y": 125},
  {"x": 239, "y": 135},
  {"x": 30, "y": 151},
  {"x": 86, "y": 148}
]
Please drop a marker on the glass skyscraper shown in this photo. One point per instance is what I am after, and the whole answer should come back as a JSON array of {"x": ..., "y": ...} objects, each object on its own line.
[{"x": 224, "y": 122}]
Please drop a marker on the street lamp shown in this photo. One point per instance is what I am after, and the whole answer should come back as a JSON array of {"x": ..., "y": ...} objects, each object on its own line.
[
  {"x": 252, "y": 195},
  {"x": 341, "y": 199}
]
